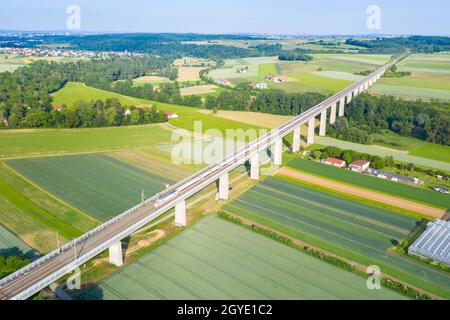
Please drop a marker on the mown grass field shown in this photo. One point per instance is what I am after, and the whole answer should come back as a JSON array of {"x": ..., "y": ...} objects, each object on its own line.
[
  {"x": 349, "y": 229},
  {"x": 75, "y": 91},
  {"x": 215, "y": 259},
  {"x": 97, "y": 184},
  {"x": 36, "y": 142},
  {"x": 397, "y": 189},
  {"x": 10, "y": 245},
  {"x": 383, "y": 151},
  {"x": 433, "y": 151},
  {"x": 267, "y": 69}
]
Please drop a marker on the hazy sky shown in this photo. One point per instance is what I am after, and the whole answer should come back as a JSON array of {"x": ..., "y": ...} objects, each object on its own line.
[{"x": 231, "y": 16}]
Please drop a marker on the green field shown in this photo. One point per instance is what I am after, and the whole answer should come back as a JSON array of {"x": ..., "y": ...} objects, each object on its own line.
[
  {"x": 430, "y": 78},
  {"x": 373, "y": 183},
  {"x": 267, "y": 69},
  {"x": 215, "y": 259},
  {"x": 10, "y": 245},
  {"x": 401, "y": 143},
  {"x": 349, "y": 229},
  {"x": 97, "y": 184},
  {"x": 433, "y": 151},
  {"x": 35, "y": 142},
  {"x": 315, "y": 83},
  {"x": 75, "y": 91}
]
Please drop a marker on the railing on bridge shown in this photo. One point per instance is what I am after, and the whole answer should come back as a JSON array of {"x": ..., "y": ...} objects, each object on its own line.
[{"x": 239, "y": 157}]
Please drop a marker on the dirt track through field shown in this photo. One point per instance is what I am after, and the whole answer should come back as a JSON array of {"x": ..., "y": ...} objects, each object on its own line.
[{"x": 363, "y": 193}]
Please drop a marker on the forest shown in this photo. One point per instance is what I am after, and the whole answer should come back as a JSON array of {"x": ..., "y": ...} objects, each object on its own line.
[
  {"x": 418, "y": 44},
  {"x": 427, "y": 121}
]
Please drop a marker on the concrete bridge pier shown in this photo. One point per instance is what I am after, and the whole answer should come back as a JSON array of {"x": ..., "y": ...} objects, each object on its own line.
[
  {"x": 297, "y": 141},
  {"x": 311, "y": 127},
  {"x": 224, "y": 187},
  {"x": 342, "y": 107},
  {"x": 323, "y": 123},
  {"x": 254, "y": 167},
  {"x": 116, "y": 254},
  {"x": 278, "y": 153},
  {"x": 180, "y": 214},
  {"x": 333, "y": 113},
  {"x": 349, "y": 98}
]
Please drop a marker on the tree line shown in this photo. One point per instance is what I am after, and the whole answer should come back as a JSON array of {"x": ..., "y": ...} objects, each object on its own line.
[{"x": 84, "y": 114}]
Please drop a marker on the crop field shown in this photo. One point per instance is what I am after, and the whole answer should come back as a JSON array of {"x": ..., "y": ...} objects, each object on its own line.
[
  {"x": 199, "y": 90},
  {"x": 313, "y": 82},
  {"x": 399, "y": 155},
  {"x": 189, "y": 73},
  {"x": 230, "y": 70},
  {"x": 264, "y": 120},
  {"x": 34, "y": 222},
  {"x": 155, "y": 160},
  {"x": 369, "y": 182},
  {"x": 216, "y": 259},
  {"x": 349, "y": 229},
  {"x": 10, "y": 245},
  {"x": 430, "y": 78},
  {"x": 97, "y": 184}
]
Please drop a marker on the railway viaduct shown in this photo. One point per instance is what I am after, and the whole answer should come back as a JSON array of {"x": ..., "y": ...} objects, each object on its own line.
[{"x": 44, "y": 271}]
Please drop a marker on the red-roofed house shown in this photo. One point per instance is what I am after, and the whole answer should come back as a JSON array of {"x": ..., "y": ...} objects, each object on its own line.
[
  {"x": 171, "y": 115},
  {"x": 359, "y": 165},
  {"x": 57, "y": 107},
  {"x": 335, "y": 162}
]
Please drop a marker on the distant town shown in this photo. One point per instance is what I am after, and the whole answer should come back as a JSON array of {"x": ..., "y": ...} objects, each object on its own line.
[{"x": 65, "y": 53}]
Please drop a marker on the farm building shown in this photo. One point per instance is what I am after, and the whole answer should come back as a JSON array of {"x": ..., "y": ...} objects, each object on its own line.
[
  {"x": 274, "y": 79},
  {"x": 223, "y": 82},
  {"x": 434, "y": 243},
  {"x": 335, "y": 162},
  {"x": 394, "y": 177},
  {"x": 261, "y": 86},
  {"x": 171, "y": 115},
  {"x": 359, "y": 165}
]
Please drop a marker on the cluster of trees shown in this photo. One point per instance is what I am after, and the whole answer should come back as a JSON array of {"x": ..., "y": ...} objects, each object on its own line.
[
  {"x": 268, "y": 101},
  {"x": 292, "y": 56},
  {"x": 343, "y": 131},
  {"x": 11, "y": 264},
  {"x": 421, "y": 44},
  {"x": 394, "y": 73},
  {"x": 84, "y": 114},
  {"x": 428, "y": 121},
  {"x": 280, "y": 102}
]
